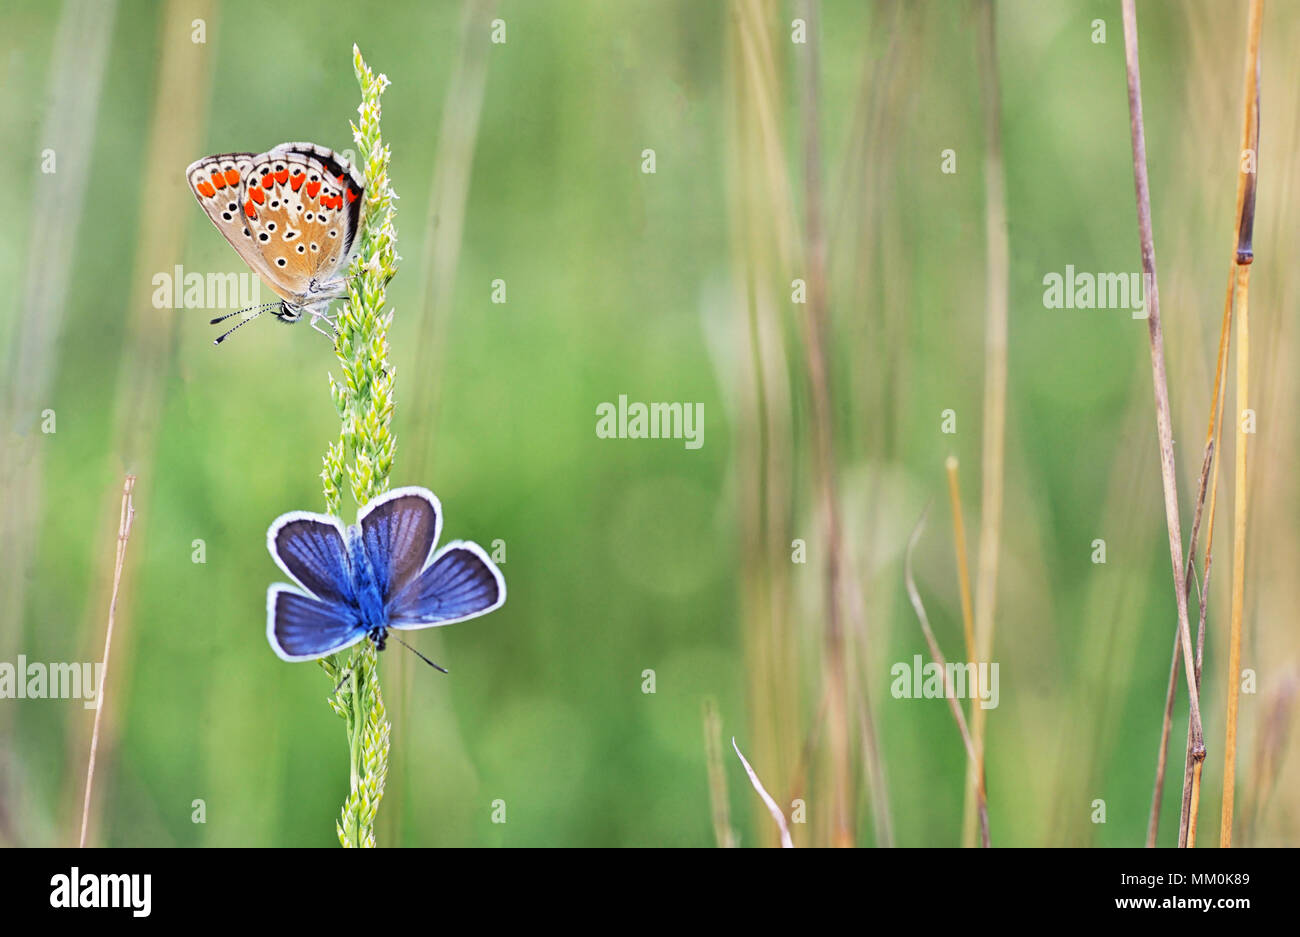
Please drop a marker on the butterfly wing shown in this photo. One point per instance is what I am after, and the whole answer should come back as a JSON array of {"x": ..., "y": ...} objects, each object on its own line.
[
  {"x": 460, "y": 582},
  {"x": 220, "y": 184},
  {"x": 351, "y": 184},
  {"x": 300, "y": 627},
  {"x": 311, "y": 549},
  {"x": 398, "y": 531},
  {"x": 302, "y": 210}
]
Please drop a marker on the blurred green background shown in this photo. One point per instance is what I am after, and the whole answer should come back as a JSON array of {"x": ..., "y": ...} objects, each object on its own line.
[{"x": 624, "y": 556}]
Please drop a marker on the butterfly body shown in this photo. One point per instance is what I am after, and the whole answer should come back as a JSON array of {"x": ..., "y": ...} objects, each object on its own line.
[
  {"x": 371, "y": 616},
  {"x": 381, "y": 573},
  {"x": 292, "y": 214}
]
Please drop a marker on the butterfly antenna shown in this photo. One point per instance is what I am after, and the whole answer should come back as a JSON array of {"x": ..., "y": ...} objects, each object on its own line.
[
  {"x": 338, "y": 686},
  {"x": 224, "y": 335},
  {"x": 417, "y": 653},
  {"x": 262, "y": 308}
]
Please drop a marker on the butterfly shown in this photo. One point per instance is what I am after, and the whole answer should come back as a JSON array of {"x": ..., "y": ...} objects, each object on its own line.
[
  {"x": 381, "y": 573},
  {"x": 292, "y": 215}
]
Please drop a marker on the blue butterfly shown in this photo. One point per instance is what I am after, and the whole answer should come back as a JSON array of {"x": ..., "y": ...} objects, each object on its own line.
[{"x": 379, "y": 574}]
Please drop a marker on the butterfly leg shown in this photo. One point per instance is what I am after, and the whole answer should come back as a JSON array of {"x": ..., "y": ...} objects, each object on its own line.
[{"x": 329, "y": 334}]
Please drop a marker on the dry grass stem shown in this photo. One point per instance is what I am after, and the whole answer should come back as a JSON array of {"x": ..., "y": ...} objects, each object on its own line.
[
  {"x": 963, "y": 569},
  {"x": 1164, "y": 429},
  {"x": 1245, "y": 181},
  {"x": 937, "y": 656},
  {"x": 1244, "y": 259},
  {"x": 816, "y": 328},
  {"x": 1153, "y": 820},
  {"x": 720, "y": 808},
  {"x": 772, "y": 808},
  {"x": 123, "y": 535},
  {"x": 995, "y": 380}
]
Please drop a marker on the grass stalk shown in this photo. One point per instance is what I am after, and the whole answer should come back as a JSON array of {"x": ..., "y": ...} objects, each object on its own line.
[
  {"x": 963, "y": 569},
  {"x": 362, "y": 458},
  {"x": 1238, "y": 556},
  {"x": 720, "y": 807},
  {"x": 937, "y": 656},
  {"x": 815, "y": 324},
  {"x": 123, "y": 535},
  {"x": 875, "y": 772},
  {"x": 968, "y": 628},
  {"x": 1244, "y": 259},
  {"x": 1153, "y": 819},
  {"x": 761, "y": 221},
  {"x": 1194, "y": 801},
  {"x": 1191, "y": 772},
  {"x": 1245, "y": 193},
  {"x": 995, "y": 383},
  {"x": 177, "y": 117},
  {"x": 1164, "y": 429},
  {"x": 772, "y": 808}
]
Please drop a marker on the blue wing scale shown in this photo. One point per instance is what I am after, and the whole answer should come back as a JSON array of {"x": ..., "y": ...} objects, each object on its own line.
[
  {"x": 460, "y": 583},
  {"x": 300, "y": 627},
  {"x": 310, "y": 548},
  {"x": 399, "y": 531}
]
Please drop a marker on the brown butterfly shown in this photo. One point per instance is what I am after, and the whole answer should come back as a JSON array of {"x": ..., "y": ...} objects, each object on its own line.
[{"x": 292, "y": 214}]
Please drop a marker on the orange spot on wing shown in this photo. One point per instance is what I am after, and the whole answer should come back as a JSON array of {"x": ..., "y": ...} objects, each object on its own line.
[
  {"x": 282, "y": 176},
  {"x": 249, "y": 210},
  {"x": 267, "y": 181},
  {"x": 232, "y": 177},
  {"x": 256, "y": 195},
  {"x": 340, "y": 178},
  {"x": 219, "y": 180},
  {"x": 206, "y": 190},
  {"x": 297, "y": 180},
  {"x": 352, "y": 196},
  {"x": 312, "y": 189}
]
